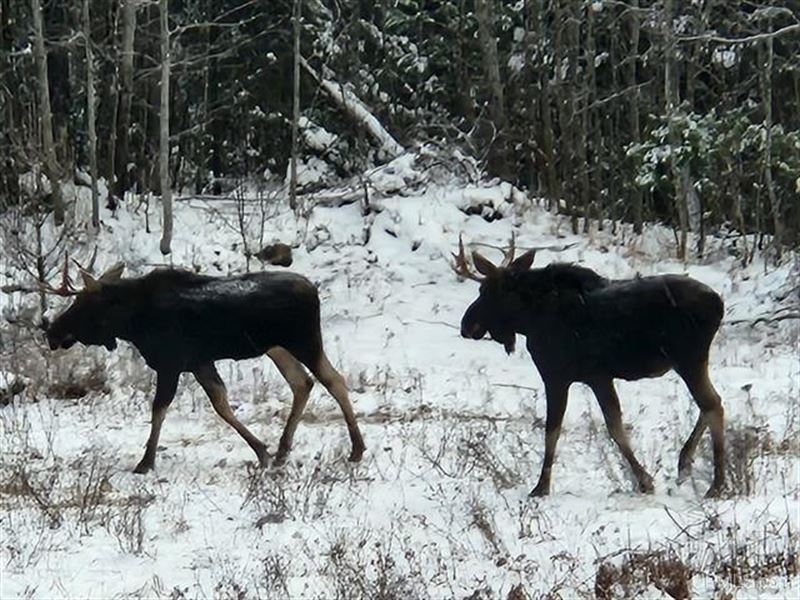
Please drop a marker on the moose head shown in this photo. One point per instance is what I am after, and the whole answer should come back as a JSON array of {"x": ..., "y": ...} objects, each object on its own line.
[
  {"x": 88, "y": 318},
  {"x": 499, "y": 303}
]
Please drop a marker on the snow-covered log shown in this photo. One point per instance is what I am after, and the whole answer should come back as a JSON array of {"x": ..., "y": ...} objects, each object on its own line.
[{"x": 354, "y": 107}]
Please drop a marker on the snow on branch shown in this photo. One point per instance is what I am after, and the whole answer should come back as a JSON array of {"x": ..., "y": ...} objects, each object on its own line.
[
  {"x": 353, "y": 106},
  {"x": 743, "y": 40}
]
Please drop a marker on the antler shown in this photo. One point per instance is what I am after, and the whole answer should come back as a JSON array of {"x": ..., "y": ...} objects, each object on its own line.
[
  {"x": 508, "y": 257},
  {"x": 65, "y": 289},
  {"x": 461, "y": 266}
]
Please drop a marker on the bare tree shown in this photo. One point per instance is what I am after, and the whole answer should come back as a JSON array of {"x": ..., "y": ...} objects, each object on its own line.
[
  {"x": 296, "y": 16},
  {"x": 671, "y": 100},
  {"x": 488, "y": 42},
  {"x": 766, "y": 84},
  {"x": 90, "y": 112},
  {"x": 121, "y": 147},
  {"x": 51, "y": 167},
  {"x": 536, "y": 18},
  {"x": 633, "y": 106},
  {"x": 166, "y": 192}
]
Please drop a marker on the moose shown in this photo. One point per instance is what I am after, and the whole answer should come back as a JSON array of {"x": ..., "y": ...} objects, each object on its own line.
[
  {"x": 181, "y": 321},
  {"x": 581, "y": 327}
]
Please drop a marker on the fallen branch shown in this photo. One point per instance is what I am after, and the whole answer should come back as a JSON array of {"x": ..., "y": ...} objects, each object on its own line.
[
  {"x": 516, "y": 387},
  {"x": 354, "y": 107}
]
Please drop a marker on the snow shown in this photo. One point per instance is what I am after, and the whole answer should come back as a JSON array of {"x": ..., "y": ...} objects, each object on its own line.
[
  {"x": 453, "y": 427},
  {"x": 725, "y": 56},
  {"x": 315, "y": 136}
]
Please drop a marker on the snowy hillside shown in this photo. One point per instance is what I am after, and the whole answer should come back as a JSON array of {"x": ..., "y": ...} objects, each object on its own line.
[{"x": 453, "y": 427}]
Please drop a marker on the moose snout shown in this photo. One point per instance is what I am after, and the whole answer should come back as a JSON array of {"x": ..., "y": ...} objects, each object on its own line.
[
  {"x": 472, "y": 330},
  {"x": 56, "y": 342}
]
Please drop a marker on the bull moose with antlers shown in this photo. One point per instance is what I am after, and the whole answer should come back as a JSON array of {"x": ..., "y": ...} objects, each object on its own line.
[
  {"x": 184, "y": 322},
  {"x": 581, "y": 327}
]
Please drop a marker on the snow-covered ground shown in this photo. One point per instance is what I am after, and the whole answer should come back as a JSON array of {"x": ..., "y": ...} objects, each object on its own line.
[{"x": 454, "y": 430}]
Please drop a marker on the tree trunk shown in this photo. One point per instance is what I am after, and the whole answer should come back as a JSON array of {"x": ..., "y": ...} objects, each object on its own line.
[
  {"x": 296, "y": 16},
  {"x": 537, "y": 17},
  {"x": 774, "y": 202},
  {"x": 488, "y": 41},
  {"x": 9, "y": 177},
  {"x": 122, "y": 181},
  {"x": 578, "y": 107},
  {"x": 465, "y": 101},
  {"x": 51, "y": 167},
  {"x": 633, "y": 108},
  {"x": 589, "y": 129},
  {"x": 671, "y": 100},
  {"x": 563, "y": 99},
  {"x": 90, "y": 113},
  {"x": 166, "y": 192}
]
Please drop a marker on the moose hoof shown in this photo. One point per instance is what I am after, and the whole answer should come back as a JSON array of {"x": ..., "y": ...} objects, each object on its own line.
[
  {"x": 356, "y": 454},
  {"x": 280, "y": 458},
  {"x": 539, "y": 491},
  {"x": 715, "y": 491},
  {"x": 684, "y": 473},
  {"x": 262, "y": 456},
  {"x": 143, "y": 467},
  {"x": 646, "y": 486}
]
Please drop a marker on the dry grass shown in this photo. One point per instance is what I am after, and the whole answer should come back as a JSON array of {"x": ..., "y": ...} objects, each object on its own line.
[
  {"x": 79, "y": 383},
  {"x": 747, "y": 448},
  {"x": 639, "y": 571}
]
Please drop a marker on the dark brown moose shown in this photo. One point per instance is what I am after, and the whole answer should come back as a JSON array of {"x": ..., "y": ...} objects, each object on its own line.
[
  {"x": 184, "y": 322},
  {"x": 582, "y": 327}
]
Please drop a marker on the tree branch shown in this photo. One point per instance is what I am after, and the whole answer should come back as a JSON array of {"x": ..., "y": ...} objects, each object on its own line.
[{"x": 744, "y": 40}]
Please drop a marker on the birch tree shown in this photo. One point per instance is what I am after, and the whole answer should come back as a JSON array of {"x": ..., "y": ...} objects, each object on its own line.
[
  {"x": 633, "y": 105},
  {"x": 122, "y": 146},
  {"x": 90, "y": 112},
  {"x": 166, "y": 191},
  {"x": 766, "y": 84},
  {"x": 296, "y": 16},
  {"x": 485, "y": 17},
  {"x": 51, "y": 167},
  {"x": 671, "y": 101}
]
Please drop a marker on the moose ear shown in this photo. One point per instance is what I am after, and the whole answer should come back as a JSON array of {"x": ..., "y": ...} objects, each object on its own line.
[
  {"x": 524, "y": 262},
  {"x": 113, "y": 273},
  {"x": 90, "y": 284},
  {"x": 484, "y": 266}
]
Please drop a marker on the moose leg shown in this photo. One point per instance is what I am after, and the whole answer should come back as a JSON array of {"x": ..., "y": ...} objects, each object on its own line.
[
  {"x": 334, "y": 383},
  {"x": 556, "y": 405},
  {"x": 301, "y": 384},
  {"x": 211, "y": 382},
  {"x": 166, "y": 385},
  {"x": 687, "y": 452},
  {"x": 612, "y": 414},
  {"x": 712, "y": 415}
]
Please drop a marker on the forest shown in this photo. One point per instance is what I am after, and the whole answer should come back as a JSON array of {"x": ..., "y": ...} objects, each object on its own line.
[{"x": 685, "y": 113}]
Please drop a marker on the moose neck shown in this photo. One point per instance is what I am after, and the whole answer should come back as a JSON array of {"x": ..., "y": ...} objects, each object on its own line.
[{"x": 118, "y": 319}]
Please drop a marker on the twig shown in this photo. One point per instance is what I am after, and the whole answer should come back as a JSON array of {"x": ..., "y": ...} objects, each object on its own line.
[
  {"x": 743, "y": 40},
  {"x": 773, "y": 318},
  {"x": 450, "y": 325},
  {"x": 516, "y": 386},
  {"x": 683, "y": 529},
  {"x": 560, "y": 248}
]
